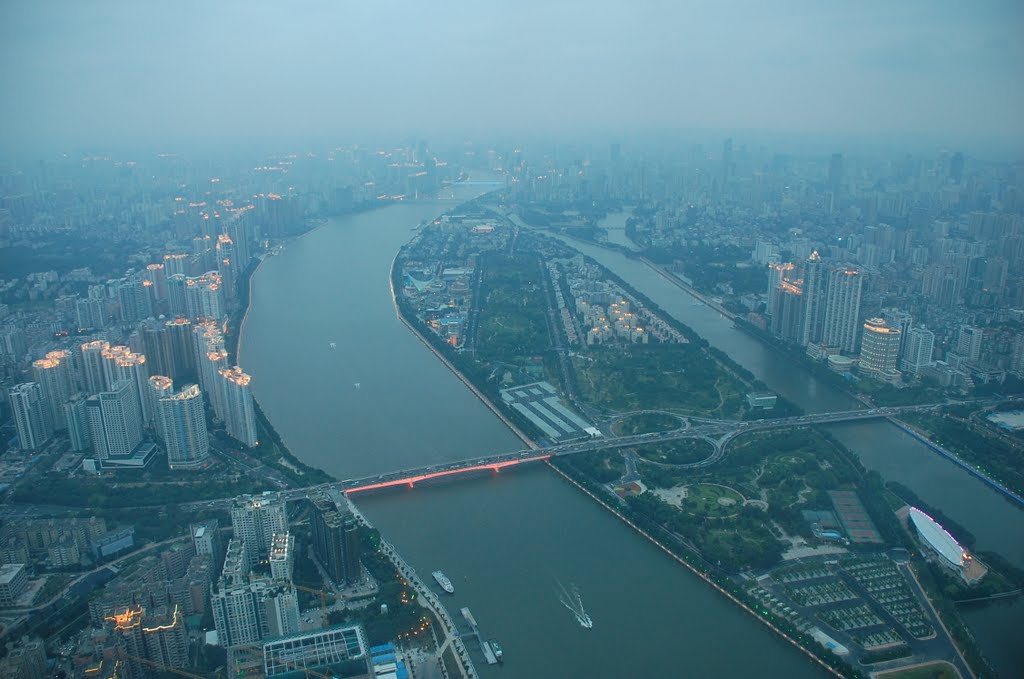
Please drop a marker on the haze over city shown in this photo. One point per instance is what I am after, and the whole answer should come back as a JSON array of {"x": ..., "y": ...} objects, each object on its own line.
[
  {"x": 117, "y": 74},
  {"x": 409, "y": 340}
]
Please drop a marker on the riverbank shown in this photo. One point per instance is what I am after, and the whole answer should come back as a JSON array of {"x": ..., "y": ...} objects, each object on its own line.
[
  {"x": 622, "y": 517},
  {"x": 451, "y": 366}
]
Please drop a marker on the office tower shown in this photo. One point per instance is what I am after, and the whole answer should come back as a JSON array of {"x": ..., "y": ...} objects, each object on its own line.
[
  {"x": 53, "y": 375},
  {"x": 121, "y": 363},
  {"x": 91, "y": 313},
  {"x": 115, "y": 422},
  {"x": 895, "y": 318},
  {"x": 31, "y": 415},
  {"x": 204, "y": 296},
  {"x": 835, "y": 172},
  {"x": 335, "y": 541},
  {"x": 183, "y": 427},
  {"x": 842, "y": 309},
  {"x": 239, "y": 413},
  {"x": 134, "y": 300},
  {"x": 812, "y": 300},
  {"x": 94, "y": 373},
  {"x": 880, "y": 348},
  {"x": 76, "y": 419},
  {"x": 255, "y": 519},
  {"x": 282, "y": 556},
  {"x": 969, "y": 342},
  {"x": 157, "y": 636}
]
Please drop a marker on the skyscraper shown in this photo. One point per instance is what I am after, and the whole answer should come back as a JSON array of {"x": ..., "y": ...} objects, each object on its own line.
[
  {"x": 183, "y": 427},
  {"x": 121, "y": 363},
  {"x": 835, "y": 172},
  {"x": 115, "y": 422},
  {"x": 31, "y": 415},
  {"x": 239, "y": 413},
  {"x": 76, "y": 418},
  {"x": 158, "y": 636},
  {"x": 204, "y": 296},
  {"x": 842, "y": 309},
  {"x": 158, "y": 387},
  {"x": 918, "y": 348},
  {"x": 182, "y": 350},
  {"x": 895, "y": 318},
  {"x": 244, "y": 613},
  {"x": 969, "y": 342},
  {"x": 812, "y": 300},
  {"x": 94, "y": 374},
  {"x": 335, "y": 541},
  {"x": 53, "y": 374},
  {"x": 255, "y": 519},
  {"x": 880, "y": 348}
]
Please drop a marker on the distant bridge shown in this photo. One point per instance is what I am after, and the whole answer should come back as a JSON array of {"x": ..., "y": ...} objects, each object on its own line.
[{"x": 718, "y": 432}]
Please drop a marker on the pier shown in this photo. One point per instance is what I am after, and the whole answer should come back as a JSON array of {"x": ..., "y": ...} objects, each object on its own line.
[{"x": 485, "y": 645}]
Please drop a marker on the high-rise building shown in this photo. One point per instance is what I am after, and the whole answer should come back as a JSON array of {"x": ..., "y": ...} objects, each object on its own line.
[
  {"x": 842, "y": 309},
  {"x": 176, "y": 298},
  {"x": 245, "y": 613},
  {"x": 896, "y": 318},
  {"x": 282, "y": 557},
  {"x": 158, "y": 387},
  {"x": 880, "y": 348},
  {"x": 76, "y": 419},
  {"x": 182, "y": 425},
  {"x": 94, "y": 373},
  {"x": 787, "y": 319},
  {"x": 115, "y": 422},
  {"x": 120, "y": 363},
  {"x": 335, "y": 541},
  {"x": 31, "y": 415},
  {"x": 204, "y": 296},
  {"x": 255, "y": 520},
  {"x": 835, "y": 172},
  {"x": 206, "y": 538},
  {"x": 239, "y": 412},
  {"x": 91, "y": 313},
  {"x": 917, "y": 356},
  {"x": 157, "y": 636},
  {"x": 812, "y": 315},
  {"x": 134, "y": 299},
  {"x": 25, "y": 660},
  {"x": 182, "y": 363},
  {"x": 156, "y": 346},
  {"x": 53, "y": 374},
  {"x": 176, "y": 265},
  {"x": 969, "y": 342},
  {"x": 227, "y": 266},
  {"x": 777, "y": 273}
]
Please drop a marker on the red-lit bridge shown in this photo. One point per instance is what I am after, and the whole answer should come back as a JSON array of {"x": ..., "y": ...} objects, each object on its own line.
[{"x": 718, "y": 432}]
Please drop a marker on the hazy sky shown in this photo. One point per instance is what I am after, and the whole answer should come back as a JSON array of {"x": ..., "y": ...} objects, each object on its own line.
[{"x": 156, "y": 72}]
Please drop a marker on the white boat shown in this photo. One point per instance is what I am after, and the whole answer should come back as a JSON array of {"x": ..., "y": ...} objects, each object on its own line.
[{"x": 443, "y": 580}]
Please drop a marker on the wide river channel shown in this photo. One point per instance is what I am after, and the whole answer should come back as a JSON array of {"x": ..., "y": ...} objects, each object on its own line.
[{"x": 379, "y": 401}]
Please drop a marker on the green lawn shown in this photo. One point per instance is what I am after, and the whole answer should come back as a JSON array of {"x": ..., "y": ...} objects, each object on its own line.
[
  {"x": 682, "y": 451},
  {"x": 678, "y": 377},
  {"x": 712, "y": 501}
]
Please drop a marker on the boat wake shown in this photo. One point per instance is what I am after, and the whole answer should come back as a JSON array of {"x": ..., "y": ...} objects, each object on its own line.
[{"x": 570, "y": 598}]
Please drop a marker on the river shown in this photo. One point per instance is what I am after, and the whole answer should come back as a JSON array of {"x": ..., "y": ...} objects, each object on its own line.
[{"x": 380, "y": 401}]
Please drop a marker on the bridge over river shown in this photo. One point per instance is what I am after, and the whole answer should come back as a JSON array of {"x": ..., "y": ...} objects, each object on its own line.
[{"x": 718, "y": 432}]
